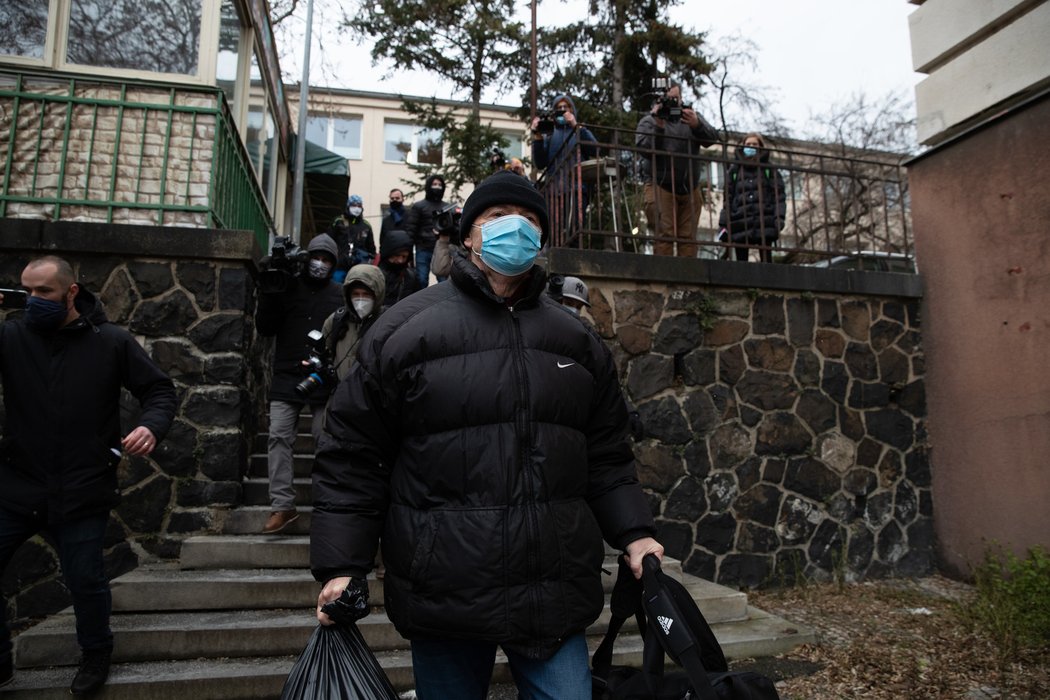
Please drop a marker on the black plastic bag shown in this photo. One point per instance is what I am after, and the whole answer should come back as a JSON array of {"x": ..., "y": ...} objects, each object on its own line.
[{"x": 337, "y": 663}]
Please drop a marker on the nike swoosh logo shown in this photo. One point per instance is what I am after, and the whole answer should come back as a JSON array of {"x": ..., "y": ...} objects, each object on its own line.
[{"x": 569, "y": 364}]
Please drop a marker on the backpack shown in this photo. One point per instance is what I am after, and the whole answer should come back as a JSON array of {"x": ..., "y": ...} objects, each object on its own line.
[{"x": 670, "y": 622}]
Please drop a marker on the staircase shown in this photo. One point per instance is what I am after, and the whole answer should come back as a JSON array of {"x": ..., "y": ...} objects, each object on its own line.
[{"x": 229, "y": 618}]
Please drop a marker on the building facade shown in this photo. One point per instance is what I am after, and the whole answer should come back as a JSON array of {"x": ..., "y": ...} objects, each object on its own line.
[{"x": 982, "y": 211}]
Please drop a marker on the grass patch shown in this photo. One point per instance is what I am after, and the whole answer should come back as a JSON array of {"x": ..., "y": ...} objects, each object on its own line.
[{"x": 1012, "y": 601}]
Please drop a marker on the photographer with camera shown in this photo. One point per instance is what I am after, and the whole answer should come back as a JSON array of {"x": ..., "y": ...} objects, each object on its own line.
[
  {"x": 288, "y": 315},
  {"x": 420, "y": 225},
  {"x": 63, "y": 365},
  {"x": 558, "y": 144},
  {"x": 671, "y": 137},
  {"x": 363, "y": 292},
  {"x": 448, "y": 240}
]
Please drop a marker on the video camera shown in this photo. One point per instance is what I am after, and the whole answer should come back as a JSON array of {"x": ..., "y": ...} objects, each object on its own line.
[
  {"x": 548, "y": 120},
  {"x": 554, "y": 285},
  {"x": 318, "y": 364},
  {"x": 446, "y": 221},
  {"x": 286, "y": 261},
  {"x": 670, "y": 107}
]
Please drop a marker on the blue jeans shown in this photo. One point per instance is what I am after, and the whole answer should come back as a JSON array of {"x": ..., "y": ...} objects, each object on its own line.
[
  {"x": 447, "y": 669},
  {"x": 423, "y": 258},
  {"x": 79, "y": 546}
]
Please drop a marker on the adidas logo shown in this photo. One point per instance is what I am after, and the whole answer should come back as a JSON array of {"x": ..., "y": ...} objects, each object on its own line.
[{"x": 665, "y": 623}]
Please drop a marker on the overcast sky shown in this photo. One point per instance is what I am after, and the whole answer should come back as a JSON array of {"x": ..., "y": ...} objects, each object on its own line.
[{"x": 811, "y": 53}]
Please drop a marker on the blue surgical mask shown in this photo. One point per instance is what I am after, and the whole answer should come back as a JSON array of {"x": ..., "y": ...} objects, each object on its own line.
[
  {"x": 509, "y": 244},
  {"x": 560, "y": 120},
  {"x": 44, "y": 314},
  {"x": 750, "y": 151}
]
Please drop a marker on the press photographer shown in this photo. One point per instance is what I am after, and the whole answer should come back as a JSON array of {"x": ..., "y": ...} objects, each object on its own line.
[
  {"x": 294, "y": 299},
  {"x": 670, "y": 140},
  {"x": 446, "y": 224}
]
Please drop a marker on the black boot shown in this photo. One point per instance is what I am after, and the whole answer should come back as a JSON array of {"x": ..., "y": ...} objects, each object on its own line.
[{"x": 93, "y": 672}]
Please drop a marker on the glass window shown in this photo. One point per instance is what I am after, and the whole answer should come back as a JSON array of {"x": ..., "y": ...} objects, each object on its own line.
[
  {"x": 428, "y": 145},
  {"x": 408, "y": 144},
  {"x": 346, "y": 137},
  {"x": 162, "y": 37},
  {"x": 230, "y": 33},
  {"x": 337, "y": 134},
  {"x": 23, "y": 28},
  {"x": 397, "y": 141}
]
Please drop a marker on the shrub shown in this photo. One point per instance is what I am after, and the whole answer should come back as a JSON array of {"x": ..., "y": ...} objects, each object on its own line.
[{"x": 1012, "y": 602}]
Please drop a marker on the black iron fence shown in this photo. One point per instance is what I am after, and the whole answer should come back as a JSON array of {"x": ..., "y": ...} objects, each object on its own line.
[{"x": 789, "y": 206}]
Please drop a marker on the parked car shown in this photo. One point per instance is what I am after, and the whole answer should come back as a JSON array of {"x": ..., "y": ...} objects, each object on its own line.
[{"x": 870, "y": 260}]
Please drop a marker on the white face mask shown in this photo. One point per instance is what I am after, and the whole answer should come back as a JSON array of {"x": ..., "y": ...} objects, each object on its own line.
[
  {"x": 363, "y": 307},
  {"x": 355, "y": 211}
]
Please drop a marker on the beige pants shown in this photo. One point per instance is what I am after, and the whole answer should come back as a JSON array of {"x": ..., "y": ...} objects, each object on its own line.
[{"x": 673, "y": 216}]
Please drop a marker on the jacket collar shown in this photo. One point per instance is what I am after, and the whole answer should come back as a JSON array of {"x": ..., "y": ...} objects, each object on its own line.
[{"x": 469, "y": 278}]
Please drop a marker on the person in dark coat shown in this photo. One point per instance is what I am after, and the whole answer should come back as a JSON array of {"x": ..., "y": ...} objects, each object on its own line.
[
  {"x": 482, "y": 434},
  {"x": 395, "y": 262},
  {"x": 396, "y": 215},
  {"x": 288, "y": 316},
  {"x": 353, "y": 237},
  {"x": 420, "y": 225},
  {"x": 755, "y": 205},
  {"x": 63, "y": 366}
]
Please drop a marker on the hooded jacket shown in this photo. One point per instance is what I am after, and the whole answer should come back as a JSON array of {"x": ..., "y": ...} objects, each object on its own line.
[
  {"x": 289, "y": 316},
  {"x": 754, "y": 206},
  {"x": 62, "y": 412},
  {"x": 487, "y": 445},
  {"x": 400, "y": 280},
  {"x": 557, "y": 150},
  {"x": 419, "y": 221},
  {"x": 344, "y": 328}
]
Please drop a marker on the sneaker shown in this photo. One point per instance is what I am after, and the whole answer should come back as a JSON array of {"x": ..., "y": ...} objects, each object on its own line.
[
  {"x": 93, "y": 672},
  {"x": 279, "y": 519},
  {"x": 7, "y": 670}
]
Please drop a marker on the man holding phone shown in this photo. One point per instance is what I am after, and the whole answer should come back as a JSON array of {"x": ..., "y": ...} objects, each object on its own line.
[{"x": 62, "y": 365}]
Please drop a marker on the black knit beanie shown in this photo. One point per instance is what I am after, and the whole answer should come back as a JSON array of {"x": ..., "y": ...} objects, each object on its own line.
[{"x": 504, "y": 187}]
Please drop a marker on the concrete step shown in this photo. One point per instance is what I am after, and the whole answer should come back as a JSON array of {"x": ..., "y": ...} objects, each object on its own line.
[
  {"x": 155, "y": 588},
  {"x": 257, "y": 491},
  {"x": 263, "y": 677},
  {"x": 280, "y": 551},
  {"x": 249, "y": 520},
  {"x": 302, "y": 464},
  {"x": 156, "y": 636}
]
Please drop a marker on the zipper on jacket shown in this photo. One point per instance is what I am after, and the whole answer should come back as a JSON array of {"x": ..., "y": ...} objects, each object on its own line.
[{"x": 522, "y": 428}]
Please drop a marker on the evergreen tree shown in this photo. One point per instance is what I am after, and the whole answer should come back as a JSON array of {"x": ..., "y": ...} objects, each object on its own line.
[{"x": 608, "y": 61}]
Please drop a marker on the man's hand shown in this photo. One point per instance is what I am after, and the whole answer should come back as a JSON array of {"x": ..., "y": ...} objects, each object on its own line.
[
  {"x": 570, "y": 119},
  {"x": 139, "y": 442},
  {"x": 690, "y": 118},
  {"x": 343, "y": 600},
  {"x": 637, "y": 550}
]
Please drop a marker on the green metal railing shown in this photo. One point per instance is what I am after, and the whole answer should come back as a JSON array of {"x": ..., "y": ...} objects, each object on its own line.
[{"x": 90, "y": 149}]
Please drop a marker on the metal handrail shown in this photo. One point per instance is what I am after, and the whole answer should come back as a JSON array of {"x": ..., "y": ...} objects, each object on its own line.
[
  {"x": 93, "y": 149},
  {"x": 834, "y": 203}
]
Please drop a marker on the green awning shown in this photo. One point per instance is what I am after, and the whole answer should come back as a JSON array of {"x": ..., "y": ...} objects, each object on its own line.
[{"x": 321, "y": 161}]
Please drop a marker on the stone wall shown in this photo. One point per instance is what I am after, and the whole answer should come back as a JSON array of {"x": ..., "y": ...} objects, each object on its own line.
[
  {"x": 784, "y": 427},
  {"x": 188, "y": 298}
]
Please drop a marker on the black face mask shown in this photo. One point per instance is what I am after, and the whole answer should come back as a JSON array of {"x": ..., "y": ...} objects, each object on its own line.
[{"x": 397, "y": 205}]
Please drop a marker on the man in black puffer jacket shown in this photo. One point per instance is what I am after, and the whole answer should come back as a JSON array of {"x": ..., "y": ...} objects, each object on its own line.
[
  {"x": 63, "y": 365},
  {"x": 482, "y": 434}
]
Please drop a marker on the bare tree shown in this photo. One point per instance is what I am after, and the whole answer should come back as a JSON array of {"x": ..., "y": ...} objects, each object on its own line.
[{"x": 851, "y": 193}]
